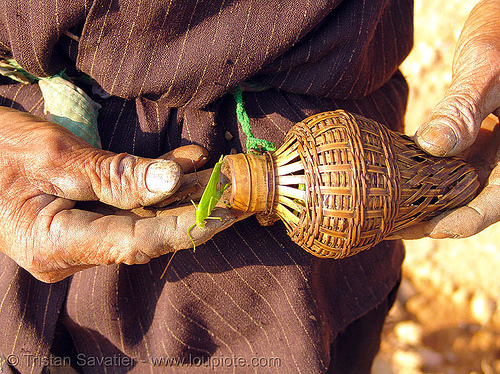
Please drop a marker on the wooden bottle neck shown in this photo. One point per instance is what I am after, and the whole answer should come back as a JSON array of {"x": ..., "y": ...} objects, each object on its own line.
[{"x": 253, "y": 182}]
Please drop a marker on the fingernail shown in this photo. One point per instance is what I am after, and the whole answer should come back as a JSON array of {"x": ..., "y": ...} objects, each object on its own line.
[
  {"x": 201, "y": 161},
  {"x": 163, "y": 176},
  {"x": 440, "y": 235},
  {"x": 437, "y": 140}
]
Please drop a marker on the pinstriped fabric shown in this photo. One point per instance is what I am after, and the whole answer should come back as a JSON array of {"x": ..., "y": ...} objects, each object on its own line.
[
  {"x": 234, "y": 57},
  {"x": 29, "y": 311},
  {"x": 347, "y": 56},
  {"x": 22, "y": 97},
  {"x": 36, "y": 35},
  {"x": 249, "y": 292}
]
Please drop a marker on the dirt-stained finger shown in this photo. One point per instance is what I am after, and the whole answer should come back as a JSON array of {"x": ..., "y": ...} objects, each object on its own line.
[{"x": 191, "y": 157}]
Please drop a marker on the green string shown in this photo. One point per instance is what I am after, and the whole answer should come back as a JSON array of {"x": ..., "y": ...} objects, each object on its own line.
[{"x": 244, "y": 121}]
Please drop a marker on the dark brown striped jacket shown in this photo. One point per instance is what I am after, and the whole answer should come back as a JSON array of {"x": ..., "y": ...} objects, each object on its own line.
[{"x": 170, "y": 67}]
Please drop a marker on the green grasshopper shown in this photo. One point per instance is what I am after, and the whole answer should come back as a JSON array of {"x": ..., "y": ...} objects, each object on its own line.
[{"x": 208, "y": 201}]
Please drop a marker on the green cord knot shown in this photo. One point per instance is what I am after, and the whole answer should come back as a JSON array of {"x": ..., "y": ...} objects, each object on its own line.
[{"x": 242, "y": 116}]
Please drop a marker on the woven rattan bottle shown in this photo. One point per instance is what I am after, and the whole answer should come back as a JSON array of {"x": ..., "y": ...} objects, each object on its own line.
[{"x": 341, "y": 183}]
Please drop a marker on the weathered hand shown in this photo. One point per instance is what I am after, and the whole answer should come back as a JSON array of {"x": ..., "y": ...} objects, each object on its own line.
[
  {"x": 47, "y": 224},
  {"x": 455, "y": 124}
]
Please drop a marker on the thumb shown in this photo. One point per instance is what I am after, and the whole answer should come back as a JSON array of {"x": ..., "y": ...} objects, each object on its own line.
[
  {"x": 453, "y": 125},
  {"x": 474, "y": 92},
  {"x": 121, "y": 180},
  {"x": 52, "y": 160},
  {"x": 455, "y": 121},
  {"x": 126, "y": 181}
]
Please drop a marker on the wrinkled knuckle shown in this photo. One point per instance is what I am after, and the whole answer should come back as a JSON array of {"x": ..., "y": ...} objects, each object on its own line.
[
  {"x": 117, "y": 180},
  {"x": 477, "y": 71},
  {"x": 459, "y": 111},
  {"x": 123, "y": 165},
  {"x": 123, "y": 169},
  {"x": 466, "y": 108}
]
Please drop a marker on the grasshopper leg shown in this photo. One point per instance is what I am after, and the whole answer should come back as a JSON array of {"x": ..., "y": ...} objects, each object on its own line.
[{"x": 190, "y": 237}]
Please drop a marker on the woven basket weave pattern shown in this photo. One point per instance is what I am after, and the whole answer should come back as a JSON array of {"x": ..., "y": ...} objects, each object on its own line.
[{"x": 346, "y": 182}]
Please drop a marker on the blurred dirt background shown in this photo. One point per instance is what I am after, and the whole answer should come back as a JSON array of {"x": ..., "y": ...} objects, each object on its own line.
[{"x": 447, "y": 315}]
